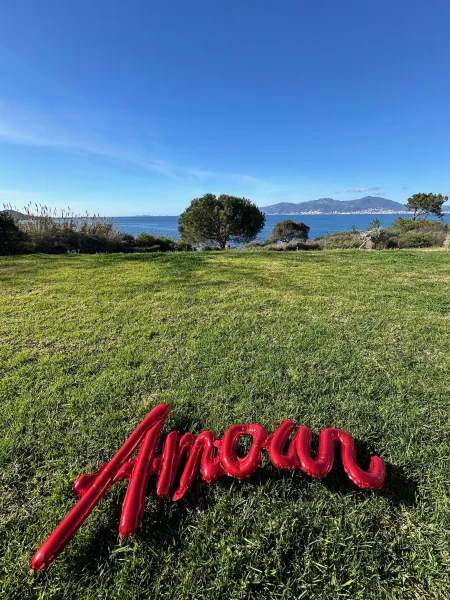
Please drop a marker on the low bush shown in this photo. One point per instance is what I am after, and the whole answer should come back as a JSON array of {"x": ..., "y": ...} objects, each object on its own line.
[
  {"x": 61, "y": 239},
  {"x": 403, "y": 233},
  {"x": 182, "y": 246},
  {"x": 412, "y": 239},
  {"x": 401, "y": 225},
  {"x": 422, "y": 233},
  {"x": 288, "y": 231},
  {"x": 145, "y": 240},
  {"x": 163, "y": 244},
  {"x": 304, "y": 246},
  {"x": 294, "y": 246},
  {"x": 51, "y": 233},
  {"x": 43, "y": 230},
  {"x": 12, "y": 239},
  {"x": 341, "y": 240},
  {"x": 210, "y": 248}
]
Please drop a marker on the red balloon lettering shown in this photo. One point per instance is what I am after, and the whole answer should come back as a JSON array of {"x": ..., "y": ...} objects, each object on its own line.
[{"x": 205, "y": 455}]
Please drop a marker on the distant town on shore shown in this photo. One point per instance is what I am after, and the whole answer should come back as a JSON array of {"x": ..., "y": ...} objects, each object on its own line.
[{"x": 328, "y": 206}]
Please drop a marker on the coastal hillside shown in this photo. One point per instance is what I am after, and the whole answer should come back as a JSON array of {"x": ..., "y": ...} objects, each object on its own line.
[
  {"x": 15, "y": 214},
  {"x": 372, "y": 204}
]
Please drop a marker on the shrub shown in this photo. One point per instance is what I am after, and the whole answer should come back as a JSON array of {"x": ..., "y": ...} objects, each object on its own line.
[
  {"x": 422, "y": 233},
  {"x": 54, "y": 241},
  {"x": 43, "y": 230},
  {"x": 12, "y": 239},
  {"x": 147, "y": 240},
  {"x": 437, "y": 238},
  {"x": 62, "y": 238},
  {"x": 207, "y": 248},
  {"x": 51, "y": 233},
  {"x": 413, "y": 239},
  {"x": 286, "y": 247},
  {"x": 182, "y": 246},
  {"x": 402, "y": 225},
  {"x": 252, "y": 246},
  {"x": 127, "y": 239},
  {"x": 374, "y": 239},
  {"x": 303, "y": 246},
  {"x": 391, "y": 242},
  {"x": 287, "y": 231},
  {"x": 341, "y": 240}
]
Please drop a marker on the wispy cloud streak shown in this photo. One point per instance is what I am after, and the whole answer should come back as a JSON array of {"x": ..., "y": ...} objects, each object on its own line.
[
  {"x": 35, "y": 128},
  {"x": 373, "y": 188}
]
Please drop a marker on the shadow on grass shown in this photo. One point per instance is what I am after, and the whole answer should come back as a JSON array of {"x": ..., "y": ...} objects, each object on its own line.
[
  {"x": 164, "y": 522},
  {"x": 398, "y": 488}
]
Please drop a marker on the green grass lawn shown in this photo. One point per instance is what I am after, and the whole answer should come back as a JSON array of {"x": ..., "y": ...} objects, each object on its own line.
[{"x": 355, "y": 340}]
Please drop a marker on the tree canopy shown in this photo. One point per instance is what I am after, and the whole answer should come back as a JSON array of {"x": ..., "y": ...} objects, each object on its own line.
[
  {"x": 220, "y": 220},
  {"x": 425, "y": 204},
  {"x": 287, "y": 231}
]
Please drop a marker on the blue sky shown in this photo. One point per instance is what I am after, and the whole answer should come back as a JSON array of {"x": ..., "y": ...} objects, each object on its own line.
[{"x": 125, "y": 108}]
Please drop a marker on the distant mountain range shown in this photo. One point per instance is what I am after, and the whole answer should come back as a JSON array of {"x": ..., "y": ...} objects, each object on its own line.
[{"x": 327, "y": 206}]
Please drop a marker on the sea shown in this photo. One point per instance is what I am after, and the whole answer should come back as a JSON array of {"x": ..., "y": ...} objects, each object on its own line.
[{"x": 319, "y": 224}]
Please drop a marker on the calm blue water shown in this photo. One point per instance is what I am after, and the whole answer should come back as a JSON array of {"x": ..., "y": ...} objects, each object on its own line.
[{"x": 319, "y": 224}]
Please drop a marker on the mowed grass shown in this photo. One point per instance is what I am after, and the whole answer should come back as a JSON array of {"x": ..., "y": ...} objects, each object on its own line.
[{"x": 355, "y": 340}]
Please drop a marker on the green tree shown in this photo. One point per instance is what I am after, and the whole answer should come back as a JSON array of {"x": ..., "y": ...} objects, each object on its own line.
[
  {"x": 426, "y": 204},
  {"x": 12, "y": 239},
  {"x": 220, "y": 220},
  {"x": 374, "y": 224},
  {"x": 287, "y": 231}
]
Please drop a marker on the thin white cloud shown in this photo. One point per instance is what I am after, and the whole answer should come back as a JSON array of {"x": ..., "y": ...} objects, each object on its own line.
[
  {"x": 256, "y": 181},
  {"x": 373, "y": 188},
  {"x": 30, "y": 127}
]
